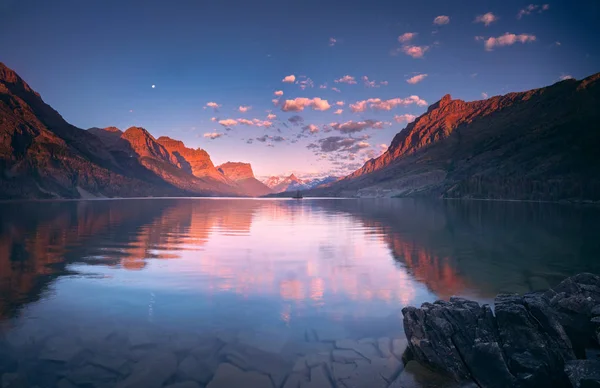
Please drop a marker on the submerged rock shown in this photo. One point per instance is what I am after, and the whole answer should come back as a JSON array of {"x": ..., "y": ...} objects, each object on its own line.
[
  {"x": 583, "y": 373},
  {"x": 531, "y": 341}
]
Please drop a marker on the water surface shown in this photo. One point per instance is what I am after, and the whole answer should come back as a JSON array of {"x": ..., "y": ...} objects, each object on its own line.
[{"x": 283, "y": 277}]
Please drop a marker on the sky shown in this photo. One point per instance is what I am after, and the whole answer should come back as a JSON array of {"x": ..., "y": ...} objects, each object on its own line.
[{"x": 310, "y": 87}]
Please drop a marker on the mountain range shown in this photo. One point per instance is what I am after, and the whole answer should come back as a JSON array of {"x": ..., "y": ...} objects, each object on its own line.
[
  {"x": 541, "y": 144},
  {"x": 43, "y": 156},
  {"x": 289, "y": 183}
]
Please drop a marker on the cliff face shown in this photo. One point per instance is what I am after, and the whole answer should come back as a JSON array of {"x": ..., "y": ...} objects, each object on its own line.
[
  {"x": 43, "y": 156},
  {"x": 243, "y": 176},
  {"x": 538, "y": 145}
]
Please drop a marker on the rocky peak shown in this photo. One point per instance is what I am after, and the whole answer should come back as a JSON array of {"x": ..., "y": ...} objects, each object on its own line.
[
  {"x": 293, "y": 178},
  {"x": 236, "y": 171},
  {"x": 196, "y": 161},
  {"x": 145, "y": 145}
]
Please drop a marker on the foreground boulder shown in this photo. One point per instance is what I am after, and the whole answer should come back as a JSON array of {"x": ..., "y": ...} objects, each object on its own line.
[{"x": 532, "y": 340}]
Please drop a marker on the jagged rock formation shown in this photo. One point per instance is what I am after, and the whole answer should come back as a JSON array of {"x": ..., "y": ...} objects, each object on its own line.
[
  {"x": 43, "y": 156},
  {"x": 538, "y": 144},
  {"x": 243, "y": 176},
  {"x": 531, "y": 341}
]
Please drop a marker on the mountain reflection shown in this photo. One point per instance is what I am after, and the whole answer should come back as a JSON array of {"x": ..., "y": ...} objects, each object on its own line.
[{"x": 327, "y": 253}]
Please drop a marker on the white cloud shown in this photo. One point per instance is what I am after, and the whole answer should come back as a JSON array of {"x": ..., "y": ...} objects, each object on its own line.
[
  {"x": 442, "y": 19},
  {"x": 336, "y": 90},
  {"x": 379, "y": 104},
  {"x": 407, "y": 37},
  {"x": 290, "y": 79},
  {"x": 244, "y": 109},
  {"x": 565, "y": 77},
  {"x": 332, "y": 41},
  {"x": 416, "y": 79},
  {"x": 298, "y": 104},
  {"x": 347, "y": 79},
  {"x": 507, "y": 39},
  {"x": 253, "y": 122},
  {"x": 405, "y": 118},
  {"x": 278, "y": 93},
  {"x": 484, "y": 95},
  {"x": 213, "y": 135},
  {"x": 486, "y": 18}
]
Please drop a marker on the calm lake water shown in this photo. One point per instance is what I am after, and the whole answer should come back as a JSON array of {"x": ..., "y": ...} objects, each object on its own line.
[{"x": 151, "y": 292}]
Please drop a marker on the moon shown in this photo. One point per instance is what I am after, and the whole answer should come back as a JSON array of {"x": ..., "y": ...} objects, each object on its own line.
[{"x": 153, "y": 86}]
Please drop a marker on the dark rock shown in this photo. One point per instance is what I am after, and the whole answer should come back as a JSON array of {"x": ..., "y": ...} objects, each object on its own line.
[{"x": 583, "y": 373}]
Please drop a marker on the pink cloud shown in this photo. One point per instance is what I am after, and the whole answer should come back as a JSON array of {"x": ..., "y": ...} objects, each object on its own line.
[
  {"x": 311, "y": 128},
  {"x": 336, "y": 90},
  {"x": 213, "y": 119},
  {"x": 384, "y": 83},
  {"x": 484, "y": 95},
  {"x": 415, "y": 51},
  {"x": 340, "y": 103},
  {"x": 442, "y": 19},
  {"x": 486, "y": 18},
  {"x": 416, "y": 79},
  {"x": 275, "y": 101},
  {"x": 332, "y": 41},
  {"x": 213, "y": 135},
  {"x": 298, "y": 104},
  {"x": 407, "y": 37},
  {"x": 347, "y": 79},
  {"x": 405, "y": 118},
  {"x": 507, "y": 40},
  {"x": 290, "y": 79},
  {"x": 379, "y": 104},
  {"x": 278, "y": 93},
  {"x": 244, "y": 109},
  {"x": 532, "y": 8},
  {"x": 271, "y": 116},
  {"x": 338, "y": 112},
  {"x": 213, "y": 105},
  {"x": 228, "y": 122}
]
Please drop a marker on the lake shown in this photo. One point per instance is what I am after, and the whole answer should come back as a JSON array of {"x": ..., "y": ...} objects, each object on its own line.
[{"x": 258, "y": 292}]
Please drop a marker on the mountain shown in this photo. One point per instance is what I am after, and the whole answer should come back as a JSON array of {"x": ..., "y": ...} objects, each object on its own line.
[
  {"x": 43, "y": 156},
  {"x": 243, "y": 176},
  {"x": 535, "y": 145},
  {"x": 279, "y": 184}
]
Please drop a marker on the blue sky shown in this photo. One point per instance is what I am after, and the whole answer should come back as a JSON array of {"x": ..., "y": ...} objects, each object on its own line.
[{"x": 96, "y": 61}]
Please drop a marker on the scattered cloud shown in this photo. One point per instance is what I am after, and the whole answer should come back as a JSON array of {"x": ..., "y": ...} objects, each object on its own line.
[
  {"x": 336, "y": 90},
  {"x": 271, "y": 116},
  {"x": 486, "y": 18},
  {"x": 324, "y": 86},
  {"x": 213, "y": 105},
  {"x": 565, "y": 77},
  {"x": 347, "y": 79},
  {"x": 384, "y": 83},
  {"x": 228, "y": 122},
  {"x": 213, "y": 119},
  {"x": 305, "y": 83},
  {"x": 278, "y": 93},
  {"x": 484, "y": 95},
  {"x": 332, "y": 41},
  {"x": 340, "y": 103},
  {"x": 213, "y": 135},
  {"x": 532, "y": 8},
  {"x": 356, "y": 126},
  {"x": 405, "y": 118},
  {"x": 557, "y": 43},
  {"x": 339, "y": 144},
  {"x": 441, "y": 20},
  {"x": 311, "y": 128},
  {"x": 338, "y": 112},
  {"x": 296, "y": 120},
  {"x": 372, "y": 84},
  {"x": 290, "y": 79},
  {"x": 407, "y": 37},
  {"x": 379, "y": 104},
  {"x": 244, "y": 109},
  {"x": 415, "y": 51},
  {"x": 507, "y": 39},
  {"x": 275, "y": 101},
  {"x": 416, "y": 79},
  {"x": 298, "y": 104}
]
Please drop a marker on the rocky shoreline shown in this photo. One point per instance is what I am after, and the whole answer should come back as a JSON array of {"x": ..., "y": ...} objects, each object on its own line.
[{"x": 542, "y": 339}]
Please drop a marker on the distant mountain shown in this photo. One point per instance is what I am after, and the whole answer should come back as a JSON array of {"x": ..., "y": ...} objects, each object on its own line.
[
  {"x": 243, "y": 176},
  {"x": 43, "y": 156},
  {"x": 280, "y": 184},
  {"x": 540, "y": 144}
]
